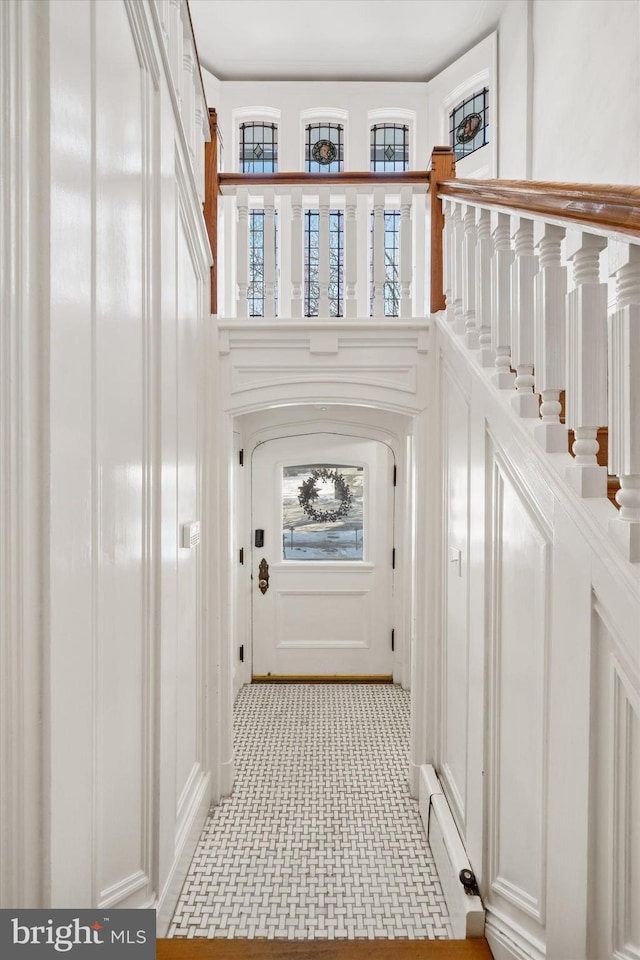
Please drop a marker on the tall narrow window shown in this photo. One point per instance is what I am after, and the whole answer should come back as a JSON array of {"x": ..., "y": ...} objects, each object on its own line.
[
  {"x": 391, "y": 264},
  {"x": 324, "y": 150},
  {"x": 256, "y": 289},
  {"x": 389, "y": 147},
  {"x": 312, "y": 262},
  {"x": 469, "y": 124},
  {"x": 258, "y": 148}
]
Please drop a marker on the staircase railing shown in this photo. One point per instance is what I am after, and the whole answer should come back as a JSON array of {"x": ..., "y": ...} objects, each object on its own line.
[{"x": 542, "y": 283}]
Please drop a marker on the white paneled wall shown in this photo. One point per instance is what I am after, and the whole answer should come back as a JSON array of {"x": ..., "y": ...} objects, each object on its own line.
[
  {"x": 120, "y": 281},
  {"x": 539, "y": 678}
]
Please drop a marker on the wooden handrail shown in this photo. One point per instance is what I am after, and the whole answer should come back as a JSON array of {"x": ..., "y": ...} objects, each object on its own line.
[
  {"x": 301, "y": 178},
  {"x": 611, "y": 208}
]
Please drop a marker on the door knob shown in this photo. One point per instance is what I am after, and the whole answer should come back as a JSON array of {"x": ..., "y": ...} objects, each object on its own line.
[{"x": 263, "y": 576}]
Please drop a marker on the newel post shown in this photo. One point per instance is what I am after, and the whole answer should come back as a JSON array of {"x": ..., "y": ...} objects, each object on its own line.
[
  {"x": 586, "y": 396},
  {"x": 443, "y": 167},
  {"x": 624, "y": 395},
  {"x": 210, "y": 209}
]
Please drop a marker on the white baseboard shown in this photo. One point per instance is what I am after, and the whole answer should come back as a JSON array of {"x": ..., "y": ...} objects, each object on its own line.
[
  {"x": 510, "y": 942},
  {"x": 465, "y": 911},
  {"x": 199, "y": 810}
]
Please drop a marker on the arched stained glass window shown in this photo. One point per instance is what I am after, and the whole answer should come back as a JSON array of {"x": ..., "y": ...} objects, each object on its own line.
[
  {"x": 324, "y": 148},
  {"x": 258, "y": 148},
  {"x": 469, "y": 124},
  {"x": 389, "y": 147}
]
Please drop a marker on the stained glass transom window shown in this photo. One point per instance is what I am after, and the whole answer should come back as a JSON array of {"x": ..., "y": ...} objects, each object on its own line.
[
  {"x": 469, "y": 124},
  {"x": 258, "y": 148},
  {"x": 389, "y": 147},
  {"x": 312, "y": 263},
  {"x": 322, "y": 512},
  {"x": 324, "y": 148},
  {"x": 391, "y": 264},
  {"x": 256, "y": 289}
]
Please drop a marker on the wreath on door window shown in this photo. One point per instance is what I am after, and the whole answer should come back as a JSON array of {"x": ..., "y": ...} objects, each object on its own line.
[{"x": 308, "y": 494}]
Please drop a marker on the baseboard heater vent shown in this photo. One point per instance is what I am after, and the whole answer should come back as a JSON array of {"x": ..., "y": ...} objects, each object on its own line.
[{"x": 465, "y": 908}]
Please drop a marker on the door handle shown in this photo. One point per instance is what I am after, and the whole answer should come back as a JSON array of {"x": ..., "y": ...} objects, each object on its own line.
[{"x": 263, "y": 576}]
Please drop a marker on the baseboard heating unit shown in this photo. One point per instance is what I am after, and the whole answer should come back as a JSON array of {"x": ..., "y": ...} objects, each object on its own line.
[{"x": 456, "y": 876}]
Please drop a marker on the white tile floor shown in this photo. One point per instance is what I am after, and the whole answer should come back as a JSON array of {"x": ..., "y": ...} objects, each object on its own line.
[{"x": 320, "y": 838}]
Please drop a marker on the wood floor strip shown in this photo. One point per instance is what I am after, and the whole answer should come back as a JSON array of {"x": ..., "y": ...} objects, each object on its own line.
[
  {"x": 312, "y": 678},
  {"x": 201, "y": 949}
]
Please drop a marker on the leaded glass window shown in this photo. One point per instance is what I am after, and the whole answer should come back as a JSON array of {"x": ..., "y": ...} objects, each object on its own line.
[
  {"x": 258, "y": 148},
  {"x": 469, "y": 124},
  {"x": 322, "y": 512},
  {"x": 389, "y": 147},
  {"x": 312, "y": 262},
  {"x": 256, "y": 291},
  {"x": 324, "y": 148},
  {"x": 391, "y": 264}
]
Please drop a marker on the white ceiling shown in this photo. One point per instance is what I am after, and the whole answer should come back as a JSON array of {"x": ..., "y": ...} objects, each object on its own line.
[{"x": 337, "y": 39}]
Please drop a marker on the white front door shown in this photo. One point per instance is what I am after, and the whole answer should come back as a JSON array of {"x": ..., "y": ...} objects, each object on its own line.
[{"x": 322, "y": 517}]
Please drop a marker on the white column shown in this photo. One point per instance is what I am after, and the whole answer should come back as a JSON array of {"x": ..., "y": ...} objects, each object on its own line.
[
  {"x": 176, "y": 34},
  {"x": 469, "y": 278},
  {"x": 501, "y": 302},
  {"x": 188, "y": 97},
  {"x": 297, "y": 251},
  {"x": 484, "y": 256},
  {"x": 269, "y": 254},
  {"x": 457, "y": 250},
  {"x": 624, "y": 395},
  {"x": 378, "y": 252},
  {"x": 350, "y": 253},
  {"x": 586, "y": 392},
  {"x": 550, "y": 307},
  {"x": 323, "y": 253},
  {"x": 406, "y": 251},
  {"x": 525, "y": 267},
  {"x": 242, "y": 252}
]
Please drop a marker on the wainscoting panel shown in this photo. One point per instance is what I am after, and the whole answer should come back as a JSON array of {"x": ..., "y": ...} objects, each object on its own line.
[
  {"x": 614, "y": 880},
  {"x": 455, "y": 564},
  {"x": 517, "y": 742}
]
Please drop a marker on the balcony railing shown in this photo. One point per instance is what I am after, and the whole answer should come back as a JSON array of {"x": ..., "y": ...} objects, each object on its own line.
[
  {"x": 362, "y": 199},
  {"x": 541, "y": 281}
]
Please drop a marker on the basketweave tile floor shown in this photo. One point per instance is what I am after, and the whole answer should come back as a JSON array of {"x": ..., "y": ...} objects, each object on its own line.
[{"x": 320, "y": 837}]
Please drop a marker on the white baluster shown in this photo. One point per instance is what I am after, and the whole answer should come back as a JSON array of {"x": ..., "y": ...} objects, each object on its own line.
[
  {"x": 296, "y": 252},
  {"x": 406, "y": 251},
  {"x": 242, "y": 252},
  {"x": 549, "y": 361},
  {"x": 351, "y": 253},
  {"x": 525, "y": 267},
  {"x": 448, "y": 258},
  {"x": 624, "y": 395},
  {"x": 200, "y": 112},
  {"x": 484, "y": 257},
  {"x": 269, "y": 253},
  {"x": 378, "y": 252},
  {"x": 586, "y": 391},
  {"x": 501, "y": 302},
  {"x": 469, "y": 278},
  {"x": 457, "y": 251},
  {"x": 323, "y": 253}
]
